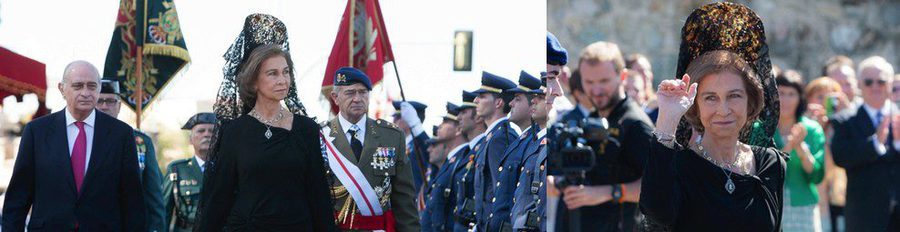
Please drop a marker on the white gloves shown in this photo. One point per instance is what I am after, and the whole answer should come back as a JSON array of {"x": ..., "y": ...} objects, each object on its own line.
[{"x": 409, "y": 115}]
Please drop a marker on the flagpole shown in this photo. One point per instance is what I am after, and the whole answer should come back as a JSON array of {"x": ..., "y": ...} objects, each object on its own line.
[
  {"x": 140, "y": 85},
  {"x": 402, "y": 96}
]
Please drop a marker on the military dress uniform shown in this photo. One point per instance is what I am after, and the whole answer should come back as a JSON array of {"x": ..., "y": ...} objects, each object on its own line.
[
  {"x": 528, "y": 212},
  {"x": 505, "y": 181},
  {"x": 441, "y": 195},
  {"x": 151, "y": 176},
  {"x": 464, "y": 177},
  {"x": 183, "y": 183},
  {"x": 182, "y": 192},
  {"x": 417, "y": 151},
  {"x": 388, "y": 173},
  {"x": 499, "y": 135}
]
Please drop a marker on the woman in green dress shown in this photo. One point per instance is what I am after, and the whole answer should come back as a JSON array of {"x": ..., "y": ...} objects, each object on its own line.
[{"x": 804, "y": 140}]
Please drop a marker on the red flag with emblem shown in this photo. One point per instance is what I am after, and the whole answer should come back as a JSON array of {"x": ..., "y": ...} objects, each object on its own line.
[{"x": 362, "y": 42}]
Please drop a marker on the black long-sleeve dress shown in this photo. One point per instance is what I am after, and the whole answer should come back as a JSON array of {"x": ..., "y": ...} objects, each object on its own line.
[
  {"x": 682, "y": 191},
  {"x": 260, "y": 184}
]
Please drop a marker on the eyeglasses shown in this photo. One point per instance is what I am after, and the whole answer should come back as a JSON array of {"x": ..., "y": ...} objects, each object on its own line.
[
  {"x": 107, "y": 101},
  {"x": 869, "y": 82}
]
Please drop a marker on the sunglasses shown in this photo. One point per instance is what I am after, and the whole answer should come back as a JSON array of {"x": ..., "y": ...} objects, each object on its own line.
[{"x": 869, "y": 82}]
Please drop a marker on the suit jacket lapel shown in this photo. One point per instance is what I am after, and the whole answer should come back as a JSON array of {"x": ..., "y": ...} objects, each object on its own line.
[
  {"x": 59, "y": 138},
  {"x": 99, "y": 149},
  {"x": 340, "y": 140},
  {"x": 369, "y": 145}
]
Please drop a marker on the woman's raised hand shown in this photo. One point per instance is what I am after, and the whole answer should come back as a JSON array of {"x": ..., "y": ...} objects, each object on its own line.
[{"x": 674, "y": 97}]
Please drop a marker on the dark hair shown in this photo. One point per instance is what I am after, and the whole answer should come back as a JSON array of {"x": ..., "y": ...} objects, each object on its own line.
[
  {"x": 836, "y": 62},
  {"x": 507, "y": 98},
  {"x": 575, "y": 81},
  {"x": 249, "y": 71},
  {"x": 792, "y": 79},
  {"x": 722, "y": 61}
]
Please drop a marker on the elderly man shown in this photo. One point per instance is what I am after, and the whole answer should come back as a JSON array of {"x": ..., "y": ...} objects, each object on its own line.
[
  {"x": 146, "y": 154},
  {"x": 184, "y": 177},
  {"x": 373, "y": 151},
  {"x": 76, "y": 169},
  {"x": 866, "y": 143}
]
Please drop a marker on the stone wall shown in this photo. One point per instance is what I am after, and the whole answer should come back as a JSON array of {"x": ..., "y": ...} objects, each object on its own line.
[{"x": 802, "y": 34}]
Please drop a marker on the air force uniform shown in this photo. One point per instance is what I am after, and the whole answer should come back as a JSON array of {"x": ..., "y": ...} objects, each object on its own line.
[{"x": 498, "y": 137}]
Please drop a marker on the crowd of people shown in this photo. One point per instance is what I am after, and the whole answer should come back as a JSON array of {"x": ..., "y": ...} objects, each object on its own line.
[
  {"x": 732, "y": 144},
  {"x": 735, "y": 143}
]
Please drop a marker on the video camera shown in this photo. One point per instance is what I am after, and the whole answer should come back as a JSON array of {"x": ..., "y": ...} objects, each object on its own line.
[{"x": 572, "y": 147}]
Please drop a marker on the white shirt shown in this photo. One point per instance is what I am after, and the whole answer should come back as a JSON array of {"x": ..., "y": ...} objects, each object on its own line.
[
  {"x": 885, "y": 110},
  {"x": 542, "y": 133},
  {"x": 455, "y": 150},
  {"x": 200, "y": 162},
  {"x": 347, "y": 125},
  {"x": 72, "y": 134},
  {"x": 477, "y": 139}
]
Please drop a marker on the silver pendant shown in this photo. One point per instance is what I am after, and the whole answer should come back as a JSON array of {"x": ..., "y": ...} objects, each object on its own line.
[
  {"x": 268, "y": 133},
  {"x": 729, "y": 186}
]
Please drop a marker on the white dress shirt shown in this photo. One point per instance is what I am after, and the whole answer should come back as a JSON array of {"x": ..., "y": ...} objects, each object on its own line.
[
  {"x": 346, "y": 125},
  {"x": 455, "y": 150},
  {"x": 72, "y": 134},
  {"x": 200, "y": 162}
]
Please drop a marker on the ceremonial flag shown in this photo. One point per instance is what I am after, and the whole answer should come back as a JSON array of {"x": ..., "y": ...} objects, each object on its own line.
[
  {"x": 151, "y": 27},
  {"x": 362, "y": 42}
]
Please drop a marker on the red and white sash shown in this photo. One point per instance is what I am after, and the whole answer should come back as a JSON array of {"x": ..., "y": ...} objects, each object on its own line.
[{"x": 351, "y": 177}]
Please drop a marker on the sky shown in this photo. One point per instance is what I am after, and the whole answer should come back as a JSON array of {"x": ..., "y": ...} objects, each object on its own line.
[{"x": 509, "y": 36}]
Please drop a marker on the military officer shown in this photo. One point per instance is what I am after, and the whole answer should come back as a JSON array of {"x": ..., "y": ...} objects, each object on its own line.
[
  {"x": 408, "y": 117},
  {"x": 505, "y": 183},
  {"x": 529, "y": 201},
  {"x": 184, "y": 177},
  {"x": 438, "y": 215},
  {"x": 499, "y": 135},
  {"x": 109, "y": 103},
  {"x": 471, "y": 127},
  {"x": 366, "y": 150}
]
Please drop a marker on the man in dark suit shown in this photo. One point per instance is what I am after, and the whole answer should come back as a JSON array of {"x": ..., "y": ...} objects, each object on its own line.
[
  {"x": 68, "y": 178},
  {"x": 866, "y": 143}
]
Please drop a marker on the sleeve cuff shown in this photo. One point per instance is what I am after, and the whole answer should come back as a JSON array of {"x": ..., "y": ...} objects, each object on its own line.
[
  {"x": 417, "y": 130},
  {"x": 879, "y": 148}
]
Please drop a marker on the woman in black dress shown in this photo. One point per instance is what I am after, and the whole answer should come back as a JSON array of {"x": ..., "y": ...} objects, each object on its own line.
[
  {"x": 724, "y": 177},
  {"x": 268, "y": 173}
]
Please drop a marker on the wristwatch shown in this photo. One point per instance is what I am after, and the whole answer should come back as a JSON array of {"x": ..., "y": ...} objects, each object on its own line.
[{"x": 617, "y": 193}]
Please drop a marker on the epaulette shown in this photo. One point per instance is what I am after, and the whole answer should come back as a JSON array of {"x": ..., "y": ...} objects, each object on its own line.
[
  {"x": 179, "y": 162},
  {"x": 386, "y": 124}
]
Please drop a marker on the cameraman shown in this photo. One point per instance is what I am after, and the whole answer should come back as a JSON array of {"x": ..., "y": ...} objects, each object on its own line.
[{"x": 607, "y": 198}]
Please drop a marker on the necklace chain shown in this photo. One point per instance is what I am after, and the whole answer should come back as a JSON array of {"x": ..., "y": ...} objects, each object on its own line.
[{"x": 271, "y": 121}]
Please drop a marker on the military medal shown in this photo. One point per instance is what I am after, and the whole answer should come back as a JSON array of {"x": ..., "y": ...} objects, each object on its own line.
[{"x": 383, "y": 158}]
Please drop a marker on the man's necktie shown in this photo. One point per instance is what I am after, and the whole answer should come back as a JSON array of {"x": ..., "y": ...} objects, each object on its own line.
[
  {"x": 79, "y": 156},
  {"x": 355, "y": 144}
]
